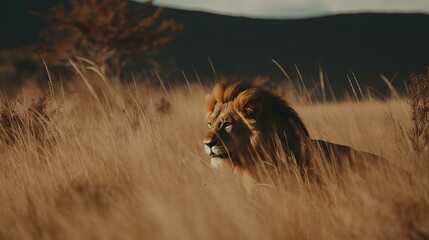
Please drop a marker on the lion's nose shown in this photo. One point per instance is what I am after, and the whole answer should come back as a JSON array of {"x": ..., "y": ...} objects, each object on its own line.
[{"x": 209, "y": 142}]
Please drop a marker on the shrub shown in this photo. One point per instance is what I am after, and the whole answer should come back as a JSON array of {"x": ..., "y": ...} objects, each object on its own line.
[
  {"x": 418, "y": 99},
  {"x": 31, "y": 122},
  {"x": 108, "y": 32}
]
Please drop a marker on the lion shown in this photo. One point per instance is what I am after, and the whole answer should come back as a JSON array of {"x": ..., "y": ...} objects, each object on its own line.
[{"x": 250, "y": 127}]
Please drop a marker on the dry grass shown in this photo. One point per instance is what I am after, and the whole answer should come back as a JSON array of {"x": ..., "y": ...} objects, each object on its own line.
[{"x": 129, "y": 164}]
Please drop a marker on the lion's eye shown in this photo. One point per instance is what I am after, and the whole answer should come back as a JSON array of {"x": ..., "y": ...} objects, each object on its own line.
[{"x": 227, "y": 125}]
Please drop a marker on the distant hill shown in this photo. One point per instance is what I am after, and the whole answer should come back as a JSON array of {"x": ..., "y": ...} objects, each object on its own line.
[
  {"x": 17, "y": 28},
  {"x": 367, "y": 44}
]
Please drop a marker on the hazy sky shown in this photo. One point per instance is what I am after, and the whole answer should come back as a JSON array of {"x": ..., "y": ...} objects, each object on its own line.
[{"x": 297, "y": 8}]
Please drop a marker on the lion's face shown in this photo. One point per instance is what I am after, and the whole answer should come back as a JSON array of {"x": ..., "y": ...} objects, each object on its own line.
[
  {"x": 227, "y": 139},
  {"x": 250, "y": 128}
]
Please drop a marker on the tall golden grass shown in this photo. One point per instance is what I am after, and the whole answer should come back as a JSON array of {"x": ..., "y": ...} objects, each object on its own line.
[{"x": 121, "y": 163}]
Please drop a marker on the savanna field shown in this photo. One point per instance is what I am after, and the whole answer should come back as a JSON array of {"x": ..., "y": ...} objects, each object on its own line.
[{"x": 92, "y": 160}]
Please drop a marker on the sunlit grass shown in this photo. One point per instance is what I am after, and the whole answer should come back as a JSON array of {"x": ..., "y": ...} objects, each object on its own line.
[{"x": 122, "y": 167}]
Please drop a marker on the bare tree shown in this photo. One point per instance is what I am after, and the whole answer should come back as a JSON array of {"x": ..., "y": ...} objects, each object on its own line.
[{"x": 107, "y": 32}]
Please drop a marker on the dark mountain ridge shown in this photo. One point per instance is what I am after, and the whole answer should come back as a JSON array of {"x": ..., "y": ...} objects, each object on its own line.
[{"x": 368, "y": 44}]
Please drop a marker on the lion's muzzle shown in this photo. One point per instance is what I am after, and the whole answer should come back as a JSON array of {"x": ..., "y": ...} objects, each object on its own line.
[
  {"x": 214, "y": 150},
  {"x": 218, "y": 153}
]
